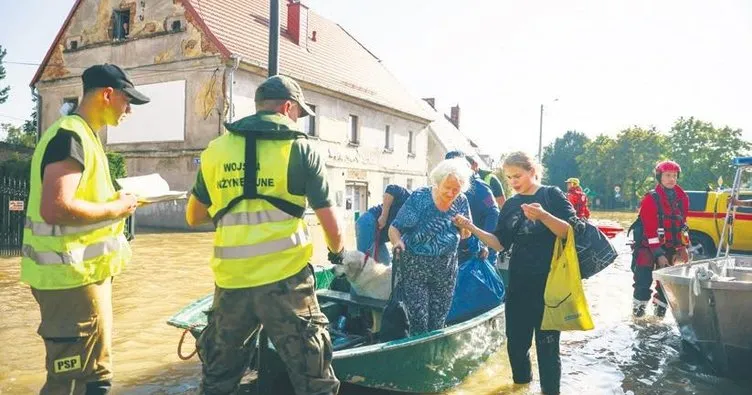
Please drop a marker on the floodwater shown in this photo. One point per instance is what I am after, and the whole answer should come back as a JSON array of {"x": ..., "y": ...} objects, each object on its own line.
[{"x": 169, "y": 270}]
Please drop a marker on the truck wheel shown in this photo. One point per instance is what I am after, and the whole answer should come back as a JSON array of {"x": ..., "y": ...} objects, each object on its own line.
[{"x": 702, "y": 246}]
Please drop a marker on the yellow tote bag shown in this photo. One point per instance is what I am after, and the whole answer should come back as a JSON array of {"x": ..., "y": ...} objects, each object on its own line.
[{"x": 566, "y": 308}]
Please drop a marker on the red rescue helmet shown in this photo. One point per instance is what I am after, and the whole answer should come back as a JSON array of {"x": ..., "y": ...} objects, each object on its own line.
[{"x": 664, "y": 166}]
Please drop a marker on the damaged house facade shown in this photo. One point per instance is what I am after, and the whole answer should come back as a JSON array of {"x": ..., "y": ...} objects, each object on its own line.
[{"x": 200, "y": 63}]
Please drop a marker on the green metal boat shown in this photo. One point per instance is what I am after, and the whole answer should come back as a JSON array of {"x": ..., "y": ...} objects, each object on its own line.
[
  {"x": 431, "y": 362},
  {"x": 426, "y": 363}
]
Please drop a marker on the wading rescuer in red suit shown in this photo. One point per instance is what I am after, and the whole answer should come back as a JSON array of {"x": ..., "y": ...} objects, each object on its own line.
[
  {"x": 578, "y": 198},
  {"x": 664, "y": 239}
]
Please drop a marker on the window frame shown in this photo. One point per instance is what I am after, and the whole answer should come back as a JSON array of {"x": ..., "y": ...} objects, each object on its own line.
[
  {"x": 388, "y": 139},
  {"x": 310, "y": 122},
  {"x": 116, "y": 24},
  {"x": 411, "y": 143},
  {"x": 353, "y": 130}
]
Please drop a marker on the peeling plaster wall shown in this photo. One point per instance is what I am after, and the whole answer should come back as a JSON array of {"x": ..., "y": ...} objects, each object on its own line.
[
  {"x": 152, "y": 53},
  {"x": 150, "y": 39}
]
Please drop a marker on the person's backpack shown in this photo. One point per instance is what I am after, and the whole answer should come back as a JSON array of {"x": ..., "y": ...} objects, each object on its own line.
[
  {"x": 637, "y": 229},
  {"x": 594, "y": 250}
]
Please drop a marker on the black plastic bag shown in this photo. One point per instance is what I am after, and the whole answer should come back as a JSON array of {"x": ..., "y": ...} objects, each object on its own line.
[
  {"x": 395, "y": 323},
  {"x": 594, "y": 250}
]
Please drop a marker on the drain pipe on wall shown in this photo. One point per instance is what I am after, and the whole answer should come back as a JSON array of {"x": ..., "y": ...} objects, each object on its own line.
[
  {"x": 231, "y": 107},
  {"x": 36, "y": 95}
]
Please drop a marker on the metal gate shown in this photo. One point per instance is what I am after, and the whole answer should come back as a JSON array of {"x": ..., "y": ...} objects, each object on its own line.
[{"x": 14, "y": 196}]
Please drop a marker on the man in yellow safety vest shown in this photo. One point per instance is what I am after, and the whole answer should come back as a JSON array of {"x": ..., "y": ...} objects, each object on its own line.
[
  {"x": 73, "y": 240},
  {"x": 254, "y": 184}
]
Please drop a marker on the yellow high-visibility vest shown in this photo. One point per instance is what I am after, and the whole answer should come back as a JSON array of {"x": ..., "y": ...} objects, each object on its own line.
[
  {"x": 71, "y": 256},
  {"x": 487, "y": 178},
  {"x": 258, "y": 240}
]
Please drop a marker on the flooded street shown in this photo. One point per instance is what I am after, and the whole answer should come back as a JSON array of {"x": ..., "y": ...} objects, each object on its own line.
[{"x": 170, "y": 270}]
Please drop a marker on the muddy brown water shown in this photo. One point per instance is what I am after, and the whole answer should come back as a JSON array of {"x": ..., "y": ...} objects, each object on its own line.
[{"x": 170, "y": 270}]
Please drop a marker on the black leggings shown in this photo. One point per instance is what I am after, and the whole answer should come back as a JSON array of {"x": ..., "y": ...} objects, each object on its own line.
[{"x": 524, "y": 313}]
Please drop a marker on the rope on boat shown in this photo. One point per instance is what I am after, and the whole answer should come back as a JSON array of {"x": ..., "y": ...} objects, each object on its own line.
[{"x": 180, "y": 345}]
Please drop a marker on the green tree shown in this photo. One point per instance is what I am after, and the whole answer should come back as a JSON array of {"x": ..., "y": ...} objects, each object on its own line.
[
  {"x": 3, "y": 91},
  {"x": 18, "y": 136},
  {"x": 596, "y": 173},
  {"x": 16, "y": 167},
  {"x": 704, "y": 152},
  {"x": 560, "y": 158},
  {"x": 635, "y": 154},
  {"x": 30, "y": 125}
]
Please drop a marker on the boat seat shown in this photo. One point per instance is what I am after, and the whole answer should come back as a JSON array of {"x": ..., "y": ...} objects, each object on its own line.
[{"x": 328, "y": 295}]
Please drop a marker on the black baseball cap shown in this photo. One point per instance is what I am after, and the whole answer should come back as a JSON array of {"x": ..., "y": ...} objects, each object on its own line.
[
  {"x": 460, "y": 154},
  {"x": 280, "y": 87},
  {"x": 112, "y": 76}
]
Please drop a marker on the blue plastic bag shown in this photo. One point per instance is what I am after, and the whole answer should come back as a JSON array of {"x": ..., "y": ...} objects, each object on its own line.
[{"x": 478, "y": 289}]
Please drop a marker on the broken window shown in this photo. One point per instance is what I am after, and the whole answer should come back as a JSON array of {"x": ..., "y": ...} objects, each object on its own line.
[{"x": 121, "y": 20}]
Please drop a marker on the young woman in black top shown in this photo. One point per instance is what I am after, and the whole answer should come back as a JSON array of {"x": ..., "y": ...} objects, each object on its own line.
[{"x": 530, "y": 221}]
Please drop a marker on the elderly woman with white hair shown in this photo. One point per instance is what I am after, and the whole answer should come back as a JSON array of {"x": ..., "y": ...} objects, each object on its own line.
[{"x": 424, "y": 231}]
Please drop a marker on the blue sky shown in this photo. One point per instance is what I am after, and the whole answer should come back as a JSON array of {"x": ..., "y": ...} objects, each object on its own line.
[{"x": 611, "y": 63}]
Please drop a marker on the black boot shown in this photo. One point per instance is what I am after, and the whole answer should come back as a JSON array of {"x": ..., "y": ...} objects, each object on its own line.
[{"x": 638, "y": 308}]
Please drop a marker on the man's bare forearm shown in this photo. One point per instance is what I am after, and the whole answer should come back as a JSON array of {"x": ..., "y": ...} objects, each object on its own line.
[
  {"x": 81, "y": 212},
  {"x": 332, "y": 231}
]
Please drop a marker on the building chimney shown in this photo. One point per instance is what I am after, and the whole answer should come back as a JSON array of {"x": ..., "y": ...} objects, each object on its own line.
[
  {"x": 297, "y": 22},
  {"x": 431, "y": 101},
  {"x": 454, "y": 116}
]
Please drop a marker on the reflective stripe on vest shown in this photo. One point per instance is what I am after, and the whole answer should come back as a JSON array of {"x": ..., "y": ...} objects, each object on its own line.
[
  {"x": 267, "y": 247},
  {"x": 77, "y": 256},
  {"x": 253, "y": 218},
  {"x": 487, "y": 178},
  {"x": 45, "y": 229}
]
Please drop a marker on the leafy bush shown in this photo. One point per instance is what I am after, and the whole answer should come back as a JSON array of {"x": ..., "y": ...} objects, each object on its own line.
[{"x": 117, "y": 167}]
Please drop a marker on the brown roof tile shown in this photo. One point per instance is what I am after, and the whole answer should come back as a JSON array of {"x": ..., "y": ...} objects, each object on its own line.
[{"x": 336, "y": 60}]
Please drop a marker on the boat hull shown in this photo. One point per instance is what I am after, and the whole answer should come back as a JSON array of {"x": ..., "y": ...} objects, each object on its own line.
[
  {"x": 432, "y": 362},
  {"x": 714, "y": 316}
]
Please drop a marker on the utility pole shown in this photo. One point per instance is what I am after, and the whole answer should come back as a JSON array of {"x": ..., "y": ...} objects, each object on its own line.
[
  {"x": 266, "y": 372},
  {"x": 540, "y": 131},
  {"x": 273, "y": 37}
]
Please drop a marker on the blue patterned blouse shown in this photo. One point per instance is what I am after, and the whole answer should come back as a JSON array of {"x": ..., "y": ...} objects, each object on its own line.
[{"x": 426, "y": 230}]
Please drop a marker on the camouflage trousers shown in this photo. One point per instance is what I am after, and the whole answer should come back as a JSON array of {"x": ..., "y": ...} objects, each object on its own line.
[{"x": 290, "y": 313}]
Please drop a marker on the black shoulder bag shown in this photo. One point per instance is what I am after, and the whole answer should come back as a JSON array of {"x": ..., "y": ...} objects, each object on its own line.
[{"x": 594, "y": 250}]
